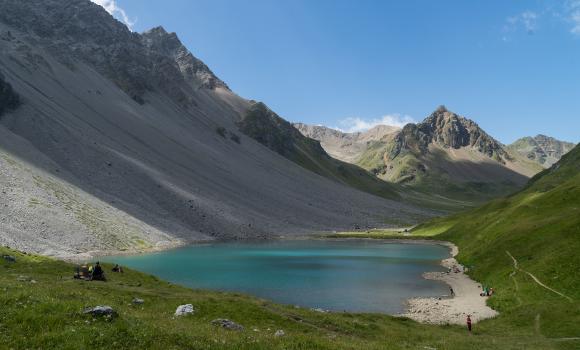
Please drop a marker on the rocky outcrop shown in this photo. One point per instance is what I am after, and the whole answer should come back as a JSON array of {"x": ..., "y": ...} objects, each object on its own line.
[
  {"x": 9, "y": 99},
  {"x": 227, "y": 324},
  {"x": 449, "y": 130},
  {"x": 194, "y": 71},
  {"x": 266, "y": 127}
]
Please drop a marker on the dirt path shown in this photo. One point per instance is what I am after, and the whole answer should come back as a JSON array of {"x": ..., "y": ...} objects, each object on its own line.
[
  {"x": 451, "y": 310},
  {"x": 517, "y": 268}
]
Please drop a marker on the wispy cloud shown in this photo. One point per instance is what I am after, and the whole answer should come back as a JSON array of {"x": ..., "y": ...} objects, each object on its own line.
[
  {"x": 112, "y": 8},
  {"x": 356, "y": 124},
  {"x": 573, "y": 9},
  {"x": 527, "y": 20}
]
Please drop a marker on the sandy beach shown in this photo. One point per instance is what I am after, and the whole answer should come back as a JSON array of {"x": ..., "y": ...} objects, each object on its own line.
[{"x": 451, "y": 310}]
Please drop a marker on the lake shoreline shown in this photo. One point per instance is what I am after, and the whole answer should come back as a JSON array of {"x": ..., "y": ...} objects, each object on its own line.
[
  {"x": 442, "y": 309},
  {"x": 451, "y": 309}
]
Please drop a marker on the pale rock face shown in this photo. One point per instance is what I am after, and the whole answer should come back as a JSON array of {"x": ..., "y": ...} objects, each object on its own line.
[
  {"x": 183, "y": 310},
  {"x": 347, "y": 147}
]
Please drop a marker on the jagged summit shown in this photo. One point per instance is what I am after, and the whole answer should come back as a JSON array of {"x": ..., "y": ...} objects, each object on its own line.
[
  {"x": 449, "y": 129},
  {"x": 194, "y": 70},
  {"x": 446, "y": 153}
]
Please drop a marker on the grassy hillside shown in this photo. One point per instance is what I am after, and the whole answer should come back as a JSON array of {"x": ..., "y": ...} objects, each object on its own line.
[
  {"x": 540, "y": 228},
  {"x": 47, "y": 314},
  {"x": 279, "y": 135}
]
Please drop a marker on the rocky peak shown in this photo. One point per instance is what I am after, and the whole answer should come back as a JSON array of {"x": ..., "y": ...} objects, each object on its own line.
[
  {"x": 449, "y": 130},
  {"x": 194, "y": 71},
  {"x": 455, "y": 131}
]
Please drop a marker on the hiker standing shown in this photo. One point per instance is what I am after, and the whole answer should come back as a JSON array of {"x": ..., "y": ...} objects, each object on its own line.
[
  {"x": 469, "y": 323},
  {"x": 452, "y": 291}
]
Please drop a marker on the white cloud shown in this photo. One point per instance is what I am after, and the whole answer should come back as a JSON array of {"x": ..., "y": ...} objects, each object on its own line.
[
  {"x": 526, "y": 20},
  {"x": 573, "y": 8},
  {"x": 112, "y": 8},
  {"x": 356, "y": 124}
]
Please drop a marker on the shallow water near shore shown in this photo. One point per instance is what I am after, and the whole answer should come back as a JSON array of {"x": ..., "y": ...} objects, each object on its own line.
[{"x": 350, "y": 275}]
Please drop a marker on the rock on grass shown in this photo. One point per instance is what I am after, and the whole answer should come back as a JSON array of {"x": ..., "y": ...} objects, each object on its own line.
[
  {"x": 183, "y": 310},
  {"x": 227, "y": 324}
]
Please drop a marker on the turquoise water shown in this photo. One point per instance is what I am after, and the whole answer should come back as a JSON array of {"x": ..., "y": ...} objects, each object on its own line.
[{"x": 362, "y": 276}]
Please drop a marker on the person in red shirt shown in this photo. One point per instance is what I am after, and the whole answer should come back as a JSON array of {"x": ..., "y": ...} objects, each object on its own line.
[{"x": 469, "y": 323}]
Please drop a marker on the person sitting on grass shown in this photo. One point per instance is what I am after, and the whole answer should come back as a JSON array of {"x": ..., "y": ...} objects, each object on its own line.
[
  {"x": 117, "y": 268},
  {"x": 98, "y": 274}
]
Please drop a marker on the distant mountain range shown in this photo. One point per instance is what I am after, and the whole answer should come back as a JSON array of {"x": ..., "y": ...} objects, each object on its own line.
[
  {"x": 544, "y": 150},
  {"x": 445, "y": 154}
]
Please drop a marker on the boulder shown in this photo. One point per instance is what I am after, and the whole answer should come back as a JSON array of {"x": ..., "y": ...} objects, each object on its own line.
[
  {"x": 227, "y": 324},
  {"x": 9, "y": 258},
  {"x": 137, "y": 301},
  {"x": 99, "y": 310},
  {"x": 279, "y": 333},
  {"x": 183, "y": 310}
]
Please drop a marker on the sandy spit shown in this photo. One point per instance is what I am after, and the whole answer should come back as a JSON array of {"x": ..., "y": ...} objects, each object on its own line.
[{"x": 446, "y": 309}]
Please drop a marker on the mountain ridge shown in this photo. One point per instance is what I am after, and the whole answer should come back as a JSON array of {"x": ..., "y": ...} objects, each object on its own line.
[
  {"x": 544, "y": 150},
  {"x": 115, "y": 129},
  {"x": 445, "y": 154}
]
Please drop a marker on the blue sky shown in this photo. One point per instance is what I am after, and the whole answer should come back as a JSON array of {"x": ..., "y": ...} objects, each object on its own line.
[{"x": 512, "y": 66}]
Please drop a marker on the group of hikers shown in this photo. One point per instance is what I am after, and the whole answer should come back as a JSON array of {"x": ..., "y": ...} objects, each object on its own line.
[
  {"x": 93, "y": 273},
  {"x": 486, "y": 291}
]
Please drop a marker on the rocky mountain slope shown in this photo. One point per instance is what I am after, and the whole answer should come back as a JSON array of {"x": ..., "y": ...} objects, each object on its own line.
[
  {"x": 279, "y": 135},
  {"x": 544, "y": 150},
  {"x": 126, "y": 140},
  {"x": 446, "y": 154},
  {"x": 347, "y": 147}
]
